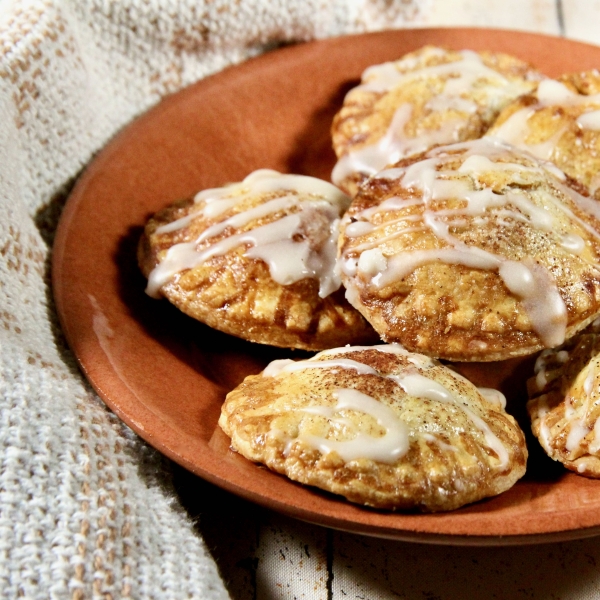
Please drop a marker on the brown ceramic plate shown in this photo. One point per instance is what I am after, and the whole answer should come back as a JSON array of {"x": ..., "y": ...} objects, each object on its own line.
[{"x": 166, "y": 375}]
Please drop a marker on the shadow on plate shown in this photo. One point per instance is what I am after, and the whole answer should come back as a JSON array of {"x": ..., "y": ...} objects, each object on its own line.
[
  {"x": 313, "y": 151},
  {"x": 222, "y": 359}
]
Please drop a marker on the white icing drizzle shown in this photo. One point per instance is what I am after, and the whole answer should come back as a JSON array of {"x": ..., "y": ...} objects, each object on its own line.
[
  {"x": 415, "y": 384},
  {"x": 243, "y": 218},
  {"x": 393, "y": 146},
  {"x": 514, "y": 131},
  {"x": 551, "y": 92},
  {"x": 535, "y": 287},
  {"x": 289, "y": 259},
  {"x": 419, "y": 386},
  {"x": 493, "y": 396},
  {"x": 577, "y": 432},
  {"x": 267, "y": 180},
  {"x": 459, "y": 78},
  {"x": 286, "y": 365},
  {"x": 589, "y": 120},
  {"x": 541, "y": 378},
  {"x": 588, "y": 383},
  {"x": 385, "y": 348},
  {"x": 541, "y": 415},
  {"x": 491, "y": 438},
  {"x": 359, "y": 228},
  {"x": 419, "y": 360},
  {"x": 532, "y": 283},
  {"x": 387, "y": 448},
  {"x": 401, "y": 265},
  {"x": 177, "y": 224},
  {"x": 573, "y": 243},
  {"x": 441, "y": 443},
  {"x": 460, "y": 74},
  {"x": 541, "y": 366}
]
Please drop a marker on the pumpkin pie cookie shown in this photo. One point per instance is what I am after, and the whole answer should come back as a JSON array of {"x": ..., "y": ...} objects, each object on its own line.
[
  {"x": 378, "y": 425},
  {"x": 257, "y": 260},
  {"x": 564, "y": 403},
  {"x": 430, "y": 97},
  {"x": 472, "y": 252}
]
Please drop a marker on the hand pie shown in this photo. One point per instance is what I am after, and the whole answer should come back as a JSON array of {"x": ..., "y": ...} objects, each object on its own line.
[
  {"x": 559, "y": 122},
  {"x": 429, "y": 97},
  {"x": 472, "y": 252},
  {"x": 564, "y": 403},
  {"x": 256, "y": 260},
  {"x": 378, "y": 425}
]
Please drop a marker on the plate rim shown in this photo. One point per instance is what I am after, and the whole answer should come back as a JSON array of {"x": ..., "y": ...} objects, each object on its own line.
[{"x": 63, "y": 232}]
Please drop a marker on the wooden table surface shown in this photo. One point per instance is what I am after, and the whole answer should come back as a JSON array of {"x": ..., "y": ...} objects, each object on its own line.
[{"x": 266, "y": 556}]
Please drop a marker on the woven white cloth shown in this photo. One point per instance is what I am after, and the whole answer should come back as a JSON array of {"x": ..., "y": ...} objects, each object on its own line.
[{"x": 87, "y": 510}]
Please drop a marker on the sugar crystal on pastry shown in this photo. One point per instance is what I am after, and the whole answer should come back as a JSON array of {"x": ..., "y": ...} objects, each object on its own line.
[
  {"x": 472, "y": 251},
  {"x": 256, "y": 259},
  {"x": 379, "y": 425}
]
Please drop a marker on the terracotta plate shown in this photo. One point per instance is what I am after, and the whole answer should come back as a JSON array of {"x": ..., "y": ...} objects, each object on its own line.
[{"x": 166, "y": 375}]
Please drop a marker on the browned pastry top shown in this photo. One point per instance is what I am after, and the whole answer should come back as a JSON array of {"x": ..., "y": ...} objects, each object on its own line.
[
  {"x": 429, "y": 97},
  {"x": 560, "y": 122},
  {"x": 378, "y": 425}
]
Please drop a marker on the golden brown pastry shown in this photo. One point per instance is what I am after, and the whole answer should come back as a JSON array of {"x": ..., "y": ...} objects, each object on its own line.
[
  {"x": 472, "y": 252},
  {"x": 256, "y": 259},
  {"x": 560, "y": 122},
  {"x": 564, "y": 403},
  {"x": 379, "y": 425},
  {"x": 429, "y": 97}
]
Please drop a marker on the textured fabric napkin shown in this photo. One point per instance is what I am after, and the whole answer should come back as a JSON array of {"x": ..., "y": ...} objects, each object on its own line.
[{"x": 87, "y": 509}]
